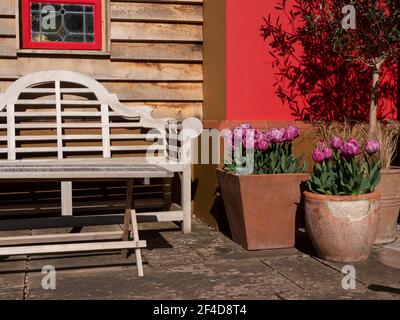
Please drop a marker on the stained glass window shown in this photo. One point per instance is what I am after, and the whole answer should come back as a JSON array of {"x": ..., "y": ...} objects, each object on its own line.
[{"x": 70, "y": 24}]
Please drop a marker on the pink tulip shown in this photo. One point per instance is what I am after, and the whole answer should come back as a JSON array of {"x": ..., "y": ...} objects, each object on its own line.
[
  {"x": 351, "y": 148},
  {"x": 263, "y": 145},
  {"x": 291, "y": 133},
  {"x": 336, "y": 143},
  {"x": 372, "y": 146},
  {"x": 258, "y": 134},
  {"x": 328, "y": 153},
  {"x": 276, "y": 135},
  {"x": 318, "y": 155}
]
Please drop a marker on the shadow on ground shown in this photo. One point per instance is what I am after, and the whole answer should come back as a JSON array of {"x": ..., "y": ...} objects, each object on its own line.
[{"x": 202, "y": 265}]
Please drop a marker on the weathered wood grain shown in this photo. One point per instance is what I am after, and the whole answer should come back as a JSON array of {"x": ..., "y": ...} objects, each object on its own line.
[
  {"x": 131, "y": 11},
  {"x": 156, "y": 55},
  {"x": 170, "y": 95},
  {"x": 138, "y": 31},
  {"x": 7, "y": 27},
  {"x": 139, "y": 91},
  {"x": 156, "y": 51},
  {"x": 8, "y": 47},
  {"x": 179, "y": 110},
  {"x": 7, "y": 8},
  {"x": 163, "y": 1},
  {"x": 103, "y": 69}
]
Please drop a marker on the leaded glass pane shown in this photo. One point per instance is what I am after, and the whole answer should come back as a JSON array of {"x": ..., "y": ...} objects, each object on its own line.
[{"x": 62, "y": 22}]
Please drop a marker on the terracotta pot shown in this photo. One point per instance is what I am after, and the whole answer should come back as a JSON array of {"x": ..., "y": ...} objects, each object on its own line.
[
  {"x": 389, "y": 187},
  {"x": 261, "y": 209},
  {"x": 342, "y": 228}
]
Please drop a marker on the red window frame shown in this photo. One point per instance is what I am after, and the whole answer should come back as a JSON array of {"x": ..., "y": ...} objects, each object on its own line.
[{"x": 27, "y": 42}]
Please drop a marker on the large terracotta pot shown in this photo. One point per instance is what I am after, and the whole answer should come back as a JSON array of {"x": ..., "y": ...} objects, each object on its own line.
[
  {"x": 342, "y": 228},
  {"x": 389, "y": 187},
  {"x": 261, "y": 209}
]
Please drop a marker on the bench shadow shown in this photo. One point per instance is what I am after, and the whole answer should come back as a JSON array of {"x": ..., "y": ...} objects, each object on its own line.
[
  {"x": 154, "y": 238},
  {"x": 218, "y": 212}
]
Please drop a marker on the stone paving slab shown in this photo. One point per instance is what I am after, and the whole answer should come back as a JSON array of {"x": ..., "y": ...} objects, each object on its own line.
[
  {"x": 12, "y": 287},
  {"x": 242, "y": 280},
  {"x": 390, "y": 255},
  {"x": 374, "y": 275},
  {"x": 212, "y": 245},
  {"x": 12, "y": 277},
  {"x": 12, "y": 272},
  {"x": 202, "y": 265},
  {"x": 319, "y": 282}
]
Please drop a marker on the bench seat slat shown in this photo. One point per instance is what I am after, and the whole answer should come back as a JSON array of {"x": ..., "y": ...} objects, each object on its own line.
[
  {"x": 147, "y": 137},
  {"x": 70, "y": 170},
  {"x": 83, "y": 175}
]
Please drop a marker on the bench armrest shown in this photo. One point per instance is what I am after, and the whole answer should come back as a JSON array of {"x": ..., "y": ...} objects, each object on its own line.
[{"x": 180, "y": 135}]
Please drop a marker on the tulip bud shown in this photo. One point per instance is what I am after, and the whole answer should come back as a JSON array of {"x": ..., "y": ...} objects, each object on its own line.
[{"x": 372, "y": 146}]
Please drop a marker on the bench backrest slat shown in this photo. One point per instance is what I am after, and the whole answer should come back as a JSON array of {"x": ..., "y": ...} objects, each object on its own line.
[{"x": 60, "y": 114}]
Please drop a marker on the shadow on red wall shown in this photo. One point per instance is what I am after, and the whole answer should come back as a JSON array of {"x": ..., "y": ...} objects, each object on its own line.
[{"x": 317, "y": 84}]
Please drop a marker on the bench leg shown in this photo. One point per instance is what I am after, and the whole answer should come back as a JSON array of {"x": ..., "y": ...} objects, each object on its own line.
[
  {"x": 126, "y": 232},
  {"x": 131, "y": 223},
  {"x": 127, "y": 218},
  {"x": 186, "y": 197},
  {"x": 135, "y": 233}
]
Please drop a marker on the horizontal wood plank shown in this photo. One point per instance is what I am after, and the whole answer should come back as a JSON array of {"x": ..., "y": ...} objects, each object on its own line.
[
  {"x": 8, "y": 47},
  {"x": 76, "y": 247},
  {"x": 130, "y": 93},
  {"x": 139, "y": 91},
  {"x": 7, "y": 8},
  {"x": 163, "y": 1},
  {"x": 51, "y": 238},
  {"x": 104, "y": 70},
  {"x": 138, "y": 31},
  {"x": 148, "y": 91},
  {"x": 155, "y": 52},
  {"x": 68, "y": 176},
  {"x": 4, "y": 85},
  {"x": 132, "y": 11},
  {"x": 172, "y": 109},
  {"x": 7, "y": 27},
  {"x": 153, "y": 41}
]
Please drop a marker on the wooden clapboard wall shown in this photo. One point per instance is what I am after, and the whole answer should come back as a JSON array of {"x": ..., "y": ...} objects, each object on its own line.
[
  {"x": 154, "y": 58},
  {"x": 155, "y": 54}
]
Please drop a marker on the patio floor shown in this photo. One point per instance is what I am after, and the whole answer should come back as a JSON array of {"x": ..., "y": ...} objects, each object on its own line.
[{"x": 202, "y": 265}]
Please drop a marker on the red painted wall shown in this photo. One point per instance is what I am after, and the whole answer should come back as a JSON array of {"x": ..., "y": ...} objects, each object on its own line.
[{"x": 250, "y": 91}]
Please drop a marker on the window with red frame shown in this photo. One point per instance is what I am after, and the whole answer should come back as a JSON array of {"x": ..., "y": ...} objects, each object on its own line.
[{"x": 62, "y": 24}]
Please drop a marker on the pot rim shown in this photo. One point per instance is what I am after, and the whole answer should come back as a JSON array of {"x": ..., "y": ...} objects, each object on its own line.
[
  {"x": 323, "y": 197},
  {"x": 263, "y": 174},
  {"x": 391, "y": 170}
]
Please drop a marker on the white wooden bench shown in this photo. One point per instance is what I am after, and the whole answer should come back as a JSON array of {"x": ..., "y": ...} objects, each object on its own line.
[{"x": 65, "y": 126}]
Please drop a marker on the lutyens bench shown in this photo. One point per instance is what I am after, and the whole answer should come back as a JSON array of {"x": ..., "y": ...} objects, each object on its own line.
[{"x": 65, "y": 126}]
